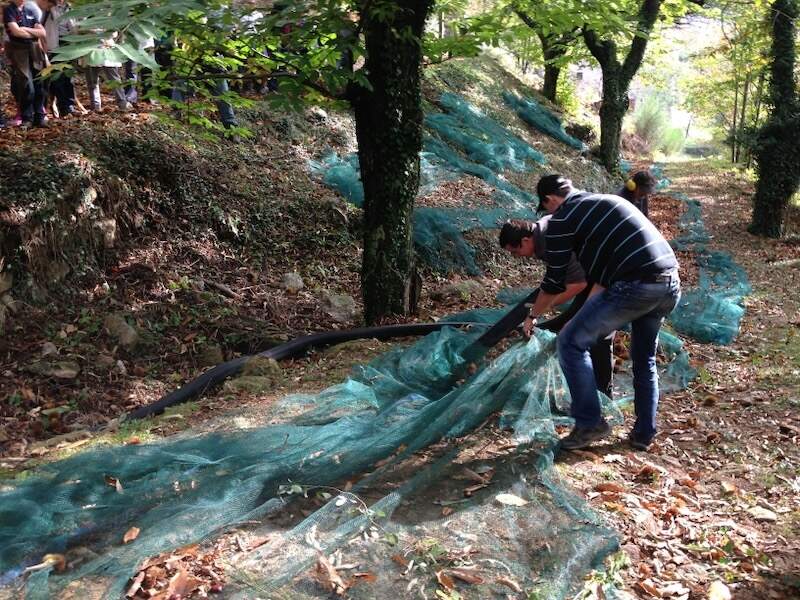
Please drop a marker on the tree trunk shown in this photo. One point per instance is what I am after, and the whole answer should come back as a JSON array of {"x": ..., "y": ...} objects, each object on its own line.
[
  {"x": 777, "y": 154},
  {"x": 742, "y": 118},
  {"x": 612, "y": 111},
  {"x": 759, "y": 96},
  {"x": 552, "y": 52},
  {"x": 617, "y": 78},
  {"x": 389, "y": 133},
  {"x": 733, "y": 120}
]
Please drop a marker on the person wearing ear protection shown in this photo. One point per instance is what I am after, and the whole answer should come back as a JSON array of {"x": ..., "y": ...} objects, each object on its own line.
[{"x": 637, "y": 189}]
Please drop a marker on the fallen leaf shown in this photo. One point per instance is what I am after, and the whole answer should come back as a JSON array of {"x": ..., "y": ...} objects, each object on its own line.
[
  {"x": 400, "y": 560},
  {"x": 445, "y": 580},
  {"x": 328, "y": 577},
  {"x": 673, "y": 589},
  {"x": 509, "y": 583},
  {"x": 137, "y": 583},
  {"x": 613, "y": 458},
  {"x": 466, "y": 576},
  {"x": 476, "y": 476},
  {"x": 728, "y": 488},
  {"x": 447, "y": 510},
  {"x": 114, "y": 482},
  {"x": 718, "y": 591},
  {"x": 257, "y": 542},
  {"x": 759, "y": 513},
  {"x": 609, "y": 487},
  {"x": 587, "y": 455},
  {"x": 648, "y": 587},
  {"x": 182, "y": 585},
  {"x": 130, "y": 535},
  {"x": 510, "y": 500},
  {"x": 368, "y": 577}
]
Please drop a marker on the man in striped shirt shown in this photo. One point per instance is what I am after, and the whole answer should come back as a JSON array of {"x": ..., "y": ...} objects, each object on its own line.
[
  {"x": 635, "y": 277},
  {"x": 527, "y": 239}
]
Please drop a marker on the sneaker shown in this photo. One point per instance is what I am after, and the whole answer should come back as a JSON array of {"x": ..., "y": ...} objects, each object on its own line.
[
  {"x": 26, "y": 124},
  {"x": 638, "y": 444},
  {"x": 581, "y": 437},
  {"x": 41, "y": 122},
  {"x": 16, "y": 121}
]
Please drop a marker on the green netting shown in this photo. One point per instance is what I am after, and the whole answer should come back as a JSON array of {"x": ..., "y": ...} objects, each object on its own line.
[
  {"x": 483, "y": 140},
  {"x": 460, "y": 141},
  {"x": 533, "y": 113},
  {"x": 675, "y": 372},
  {"x": 711, "y": 312},
  {"x": 693, "y": 234},
  {"x": 184, "y": 490}
]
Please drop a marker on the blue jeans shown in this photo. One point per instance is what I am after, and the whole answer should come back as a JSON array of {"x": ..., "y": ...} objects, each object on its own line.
[
  {"x": 218, "y": 88},
  {"x": 644, "y": 306}
]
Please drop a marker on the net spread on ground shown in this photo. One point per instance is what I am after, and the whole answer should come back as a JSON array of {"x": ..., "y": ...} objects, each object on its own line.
[{"x": 407, "y": 411}]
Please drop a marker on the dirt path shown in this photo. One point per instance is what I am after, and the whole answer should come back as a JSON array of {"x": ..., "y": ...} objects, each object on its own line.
[{"x": 717, "y": 501}]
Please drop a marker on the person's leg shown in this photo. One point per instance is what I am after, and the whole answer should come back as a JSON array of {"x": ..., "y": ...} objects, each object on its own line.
[
  {"x": 65, "y": 94},
  {"x": 117, "y": 88},
  {"x": 602, "y": 354},
  {"x": 226, "y": 114},
  {"x": 93, "y": 85},
  {"x": 39, "y": 115},
  {"x": 595, "y": 320},
  {"x": 623, "y": 302},
  {"x": 131, "y": 80},
  {"x": 22, "y": 82},
  {"x": 644, "y": 345}
]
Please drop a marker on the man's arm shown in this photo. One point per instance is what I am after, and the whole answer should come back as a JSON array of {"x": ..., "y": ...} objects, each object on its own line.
[
  {"x": 37, "y": 31},
  {"x": 16, "y": 31},
  {"x": 573, "y": 289},
  {"x": 544, "y": 302}
]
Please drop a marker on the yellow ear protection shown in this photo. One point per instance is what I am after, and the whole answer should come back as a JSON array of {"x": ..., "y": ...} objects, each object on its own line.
[{"x": 630, "y": 185}]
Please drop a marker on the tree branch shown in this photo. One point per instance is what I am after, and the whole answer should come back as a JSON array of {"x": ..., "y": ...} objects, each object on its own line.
[
  {"x": 603, "y": 51},
  {"x": 648, "y": 13}
]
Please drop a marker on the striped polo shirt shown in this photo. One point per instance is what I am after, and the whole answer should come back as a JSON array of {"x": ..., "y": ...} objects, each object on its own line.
[{"x": 612, "y": 240}]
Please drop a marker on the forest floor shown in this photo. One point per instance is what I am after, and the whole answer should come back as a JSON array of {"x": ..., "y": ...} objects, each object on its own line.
[
  {"x": 713, "y": 507},
  {"x": 720, "y": 495}
]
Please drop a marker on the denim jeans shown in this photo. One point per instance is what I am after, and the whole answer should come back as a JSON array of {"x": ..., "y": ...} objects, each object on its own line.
[
  {"x": 644, "y": 306},
  {"x": 218, "y": 88}
]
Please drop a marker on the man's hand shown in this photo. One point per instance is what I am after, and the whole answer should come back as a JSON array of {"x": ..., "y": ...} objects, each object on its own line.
[{"x": 528, "y": 326}]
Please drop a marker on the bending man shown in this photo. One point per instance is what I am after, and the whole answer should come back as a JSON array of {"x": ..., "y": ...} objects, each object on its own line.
[
  {"x": 527, "y": 239},
  {"x": 621, "y": 251}
]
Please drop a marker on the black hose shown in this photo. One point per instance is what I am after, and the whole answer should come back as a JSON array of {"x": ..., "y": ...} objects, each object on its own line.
[
  {"x": 296, "y": 347},
  {"x": 214, "y": 377}
]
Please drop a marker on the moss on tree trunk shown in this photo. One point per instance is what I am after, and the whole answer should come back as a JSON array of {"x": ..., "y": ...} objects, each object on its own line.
[
  {"x": 389, "y": 132},
  {"x": 777, "y": 153}
]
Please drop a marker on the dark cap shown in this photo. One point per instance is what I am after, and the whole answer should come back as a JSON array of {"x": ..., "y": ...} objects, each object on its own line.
[{"x": 552, "y": 184}]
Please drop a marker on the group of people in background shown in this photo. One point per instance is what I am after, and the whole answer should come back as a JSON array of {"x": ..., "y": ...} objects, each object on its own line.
[{"x": 32, "y": 34}]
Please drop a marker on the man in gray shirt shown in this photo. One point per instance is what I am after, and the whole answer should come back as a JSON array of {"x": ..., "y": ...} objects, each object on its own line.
[{"x": 527, "y": 239}]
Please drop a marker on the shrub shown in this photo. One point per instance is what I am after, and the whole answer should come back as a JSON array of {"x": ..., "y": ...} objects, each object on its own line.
[{"x": 651, "y": 123}]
